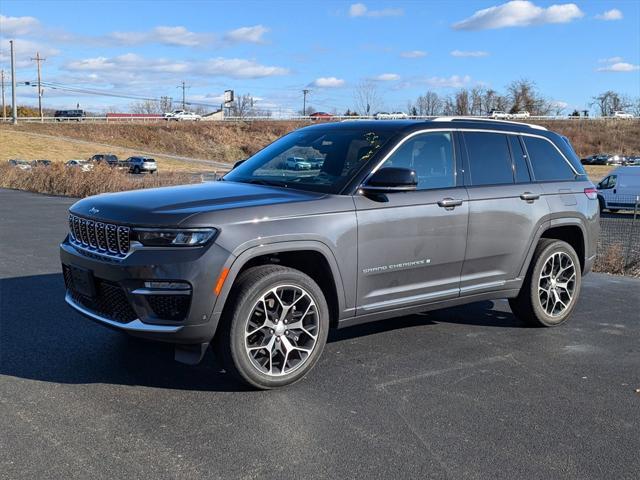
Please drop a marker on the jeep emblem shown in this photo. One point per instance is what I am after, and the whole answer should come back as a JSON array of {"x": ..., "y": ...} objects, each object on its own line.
[{"x": 94, "y": 210}]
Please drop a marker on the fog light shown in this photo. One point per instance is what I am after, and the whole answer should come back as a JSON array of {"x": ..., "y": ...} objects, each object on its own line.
[{"x": 168, "y": 285}]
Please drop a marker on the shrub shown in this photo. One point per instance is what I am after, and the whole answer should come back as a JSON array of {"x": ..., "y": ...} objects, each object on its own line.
[{"x": 73, "y": 182}]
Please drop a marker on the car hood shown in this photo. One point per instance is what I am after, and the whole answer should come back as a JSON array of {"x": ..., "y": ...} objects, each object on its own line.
[{"x": 170, "y": 206}]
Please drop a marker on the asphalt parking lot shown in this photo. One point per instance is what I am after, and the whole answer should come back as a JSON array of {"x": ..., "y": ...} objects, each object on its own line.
[{"x": 467, "y": 392}]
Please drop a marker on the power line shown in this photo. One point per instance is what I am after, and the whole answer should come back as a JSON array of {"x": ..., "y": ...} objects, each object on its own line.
[{"x": 38, "y": 59}]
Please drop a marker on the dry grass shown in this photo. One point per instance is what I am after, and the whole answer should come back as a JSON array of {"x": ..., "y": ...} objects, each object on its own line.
[
  {"x": 612, "y": 260},
  {"x": 73, "y": 182},
  {"x": 21, "y": 145},
  {"x": 230, "y": 142}
]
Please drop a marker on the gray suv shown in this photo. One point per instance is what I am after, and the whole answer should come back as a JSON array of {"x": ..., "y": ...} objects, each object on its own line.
[{"x": 399, "y": 217}]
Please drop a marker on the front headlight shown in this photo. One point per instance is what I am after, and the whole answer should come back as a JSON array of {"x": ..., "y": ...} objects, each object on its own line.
[{"x": 152, "y": 237}]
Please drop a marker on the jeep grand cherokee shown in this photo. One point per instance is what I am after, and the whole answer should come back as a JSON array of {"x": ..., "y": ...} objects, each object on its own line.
[{"x": 399, "y": 217}]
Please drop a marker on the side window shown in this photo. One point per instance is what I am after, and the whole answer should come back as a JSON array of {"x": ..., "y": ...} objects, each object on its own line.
[
  {"x": 520, "y": 168},
  {"x": 489, "y": 158},
  {"x": 609, "y": 182},
  {"x": 547, "y": 163},
  {"x": 431, "y": 156}
]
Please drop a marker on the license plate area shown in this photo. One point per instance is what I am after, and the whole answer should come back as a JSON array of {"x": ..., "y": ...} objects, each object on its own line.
[{"x": 83, "y": 282}]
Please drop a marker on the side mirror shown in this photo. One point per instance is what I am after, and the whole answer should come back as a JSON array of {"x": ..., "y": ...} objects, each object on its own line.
[
  {"x": 238, "y": 163},
  {"x": 391, "y": 179}
]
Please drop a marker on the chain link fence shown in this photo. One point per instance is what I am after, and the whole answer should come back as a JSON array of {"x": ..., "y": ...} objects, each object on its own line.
[{"x": 619, "y": 242}]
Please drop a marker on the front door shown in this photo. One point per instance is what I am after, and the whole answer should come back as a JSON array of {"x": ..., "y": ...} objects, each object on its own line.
[{"x": 411, "y": 245}]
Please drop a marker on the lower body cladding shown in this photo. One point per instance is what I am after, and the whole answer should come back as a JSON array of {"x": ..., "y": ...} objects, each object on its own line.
[{"x": 163, "y": 294}]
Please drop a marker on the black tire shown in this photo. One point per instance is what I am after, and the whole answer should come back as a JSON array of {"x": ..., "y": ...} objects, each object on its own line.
[
  {"x": 601, "y": 204},
  {"x": 528, "y": 306},
  {"x": 247, "y": 291},
  {"x": 136, "y": 170}
]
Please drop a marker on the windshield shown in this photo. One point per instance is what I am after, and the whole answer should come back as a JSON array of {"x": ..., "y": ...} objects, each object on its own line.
[{"x": 317, "y": 159}]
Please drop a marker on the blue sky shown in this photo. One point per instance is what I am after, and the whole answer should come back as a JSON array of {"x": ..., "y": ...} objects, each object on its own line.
[{"x": 274, "y": 49}]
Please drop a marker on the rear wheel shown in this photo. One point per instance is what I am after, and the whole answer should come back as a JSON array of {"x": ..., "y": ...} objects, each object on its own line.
[
  {"x": 551, "y": 288},
  {"x": 136, "y": 170},
  {"x": 276, "y": 327}
]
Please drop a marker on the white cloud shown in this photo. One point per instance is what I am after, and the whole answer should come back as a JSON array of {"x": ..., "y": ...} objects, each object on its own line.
[
  {"x": 252, "y": 34},
  {"x": 454, "y": 81},
  {"x": 413, "y": 54},
  {"x": 13, "y": 26},
  {"x": 215, "y": 67},
  {"x": 387, "y": 77},
  {"x": 611, "y": 60},
  {"x": 328, "y": 82},
  {"x": 165, "y": 35},
  {"x": 519, "y": 13},
  {"x": 467, "y": 53},
  {"x": 24, "y": 50},
  {"x": 619, "y": 67},
  {"x": 241, "y": 68},
  {"x": 613, "y": 14},
  {"x": 361, "y": 10}
]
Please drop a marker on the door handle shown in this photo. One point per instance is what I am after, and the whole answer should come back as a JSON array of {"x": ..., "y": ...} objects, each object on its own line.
[
  {"x": 529, "y": 197},
  {"x": 449, "y": 203},
  {"x": 614, "y": 190}
]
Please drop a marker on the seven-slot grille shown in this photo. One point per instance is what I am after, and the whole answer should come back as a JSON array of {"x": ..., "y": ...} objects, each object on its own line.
[{"x": 100, "y": 237}]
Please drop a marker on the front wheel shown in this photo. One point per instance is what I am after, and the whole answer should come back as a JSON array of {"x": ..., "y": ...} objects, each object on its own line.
[
  {"x": 275, "y": 328},
  {"x": 551, "y": 288}
]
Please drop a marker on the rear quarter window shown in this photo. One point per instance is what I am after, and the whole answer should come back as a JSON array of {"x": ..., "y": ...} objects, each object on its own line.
[{"x": 546, "y": 161}]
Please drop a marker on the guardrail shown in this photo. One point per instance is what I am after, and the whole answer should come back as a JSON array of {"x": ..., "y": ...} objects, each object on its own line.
[{"x": 299, "y": 118}]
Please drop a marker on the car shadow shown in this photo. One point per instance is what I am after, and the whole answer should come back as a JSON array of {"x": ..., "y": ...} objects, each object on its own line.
[{"x": 41, "y": 338}]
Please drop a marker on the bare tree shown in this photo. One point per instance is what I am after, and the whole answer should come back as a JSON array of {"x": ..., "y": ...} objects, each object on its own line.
[
  {"x": 146, "y": 107},
  {"x": 635, "y": 108},
  {"x": 462, "y": 102},
  {"x": 367, "y": 98},
  {"x": 242, "y": 106},
  {"x": 524, "y": 95},
  {"x": 609, "y": 102}
]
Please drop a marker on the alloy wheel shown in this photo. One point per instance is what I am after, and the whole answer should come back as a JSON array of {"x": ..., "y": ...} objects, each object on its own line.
[
  {"x": 557, "y": 284},
  {"x": 282, "y": 329}
]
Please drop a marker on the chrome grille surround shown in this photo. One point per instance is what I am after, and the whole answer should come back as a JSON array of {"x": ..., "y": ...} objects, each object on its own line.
[{"x": 98, "y": 237}]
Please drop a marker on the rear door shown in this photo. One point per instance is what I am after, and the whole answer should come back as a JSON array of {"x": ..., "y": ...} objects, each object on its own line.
[
  {"x": 505, "y": 208},
  {"x": 410, "y": 244}
]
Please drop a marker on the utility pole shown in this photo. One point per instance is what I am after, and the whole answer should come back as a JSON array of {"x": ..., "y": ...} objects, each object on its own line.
[
  {"x": 183, "y": 87},
  {"x": 4, "y": 106},
  {"x": 14, "y": 107},
  {"x": 39, "y": 60},
  {"x": 305, "y": 92}
]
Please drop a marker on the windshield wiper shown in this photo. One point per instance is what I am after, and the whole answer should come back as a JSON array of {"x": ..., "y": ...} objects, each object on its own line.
[{"x": 260, "y": 181}]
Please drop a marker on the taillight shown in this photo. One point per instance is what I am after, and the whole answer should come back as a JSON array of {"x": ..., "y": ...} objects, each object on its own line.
[{"x": 591, "y": 193}]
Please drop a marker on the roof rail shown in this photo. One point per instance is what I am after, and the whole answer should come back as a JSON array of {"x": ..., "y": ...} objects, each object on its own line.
[{"x": 483, "y": 119}]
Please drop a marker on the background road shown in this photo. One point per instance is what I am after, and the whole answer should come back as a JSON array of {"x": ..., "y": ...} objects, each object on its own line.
[{"x": 467, "y": 392}]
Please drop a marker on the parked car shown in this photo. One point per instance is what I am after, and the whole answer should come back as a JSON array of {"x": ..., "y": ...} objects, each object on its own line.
[
  {"x": 320, "y": 116},
  {"x": 499, "y": 115},
  {"x": 297, "y": 163},
  {"x": 142, "y": 165},
  {"x": 616, "y": 160},
  {"x": 633, "y": 161},
  {"x": 185, "y": 116},
  {"x": 621, "y": 114},
  {"x": 69, "y": 115},
  {"x": 316, "y": 162},
  {"x": 109, "y": 158},
  {"x": 41, "y": 163},
  {"x": 84, "y": 165},
  {"x": 391, "y": 116},
  {"x": 168, "y": 115},
  {"x": 589, "y": 160},
  {"x": 264, "y": 262},
  {"x": 21, "y": 164},
  {"x": 620, "y": 189},
  {"x": 599, "y": 159},
  {"x": 521, "y": 115}
]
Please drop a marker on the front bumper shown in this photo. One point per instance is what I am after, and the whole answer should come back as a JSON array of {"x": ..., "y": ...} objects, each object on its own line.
[{"x": 123, "y": 301}]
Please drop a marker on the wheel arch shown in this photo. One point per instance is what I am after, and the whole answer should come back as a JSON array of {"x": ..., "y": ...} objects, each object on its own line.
[{"x": 311, "y": 257}]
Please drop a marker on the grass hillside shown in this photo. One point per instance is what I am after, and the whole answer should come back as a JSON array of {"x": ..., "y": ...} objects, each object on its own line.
[{"x": 226, "y": 143}]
